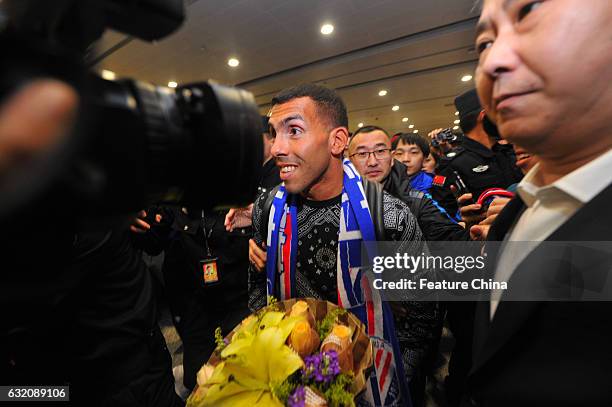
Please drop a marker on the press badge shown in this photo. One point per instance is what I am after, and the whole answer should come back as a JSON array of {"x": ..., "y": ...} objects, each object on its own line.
[{"x": 210, "y": 270}]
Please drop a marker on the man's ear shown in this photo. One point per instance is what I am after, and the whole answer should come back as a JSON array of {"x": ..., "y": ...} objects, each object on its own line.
[
  {"x": 481, "y": 116},
  {"x": 338, "y": 140}
]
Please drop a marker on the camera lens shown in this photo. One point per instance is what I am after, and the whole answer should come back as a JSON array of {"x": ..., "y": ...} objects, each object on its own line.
[{"x": 200, "y": 145}]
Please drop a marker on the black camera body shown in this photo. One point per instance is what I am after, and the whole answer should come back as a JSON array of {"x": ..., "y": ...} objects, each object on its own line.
[
  {"x": 133, "y": 143},
  {"x": 445, "y": 135}
]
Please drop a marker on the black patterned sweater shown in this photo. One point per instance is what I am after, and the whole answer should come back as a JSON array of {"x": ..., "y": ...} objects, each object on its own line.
[{"x": 318, "y": 229}]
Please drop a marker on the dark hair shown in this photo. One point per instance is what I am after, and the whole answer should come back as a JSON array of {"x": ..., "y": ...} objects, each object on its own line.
[
  {"x": 435, "y": 157},
  {"x": 367, "y": 129},
  {"x": 411, "y": 138},
  {"x": 327, "y": 100},
  {"x": 469, "y": 122}
]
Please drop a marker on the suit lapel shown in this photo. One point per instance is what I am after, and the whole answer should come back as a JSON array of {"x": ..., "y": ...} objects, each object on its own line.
[
  {"x": 590, "y": 223},
  {"x": 498, "y": 230}
]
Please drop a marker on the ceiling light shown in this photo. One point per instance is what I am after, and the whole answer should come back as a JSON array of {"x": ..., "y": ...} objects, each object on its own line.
[
  {"x": 405, "y": 119},
  {"x": 395, "y": 108},
  {"x": 233, "y": 62},
  {"x": 108, "y": 75},
  {"x": 360, "y": 125},
  {"x": 456, "y": 128},
  {"x": 411, "y": 126},
  {"x": 457, "y": 121},
  {"x": 382, "y": 92},
  {"x": 456, "y": 113},
  {"x": 466, "y": 78},
  {"x": 327, "y": 29},
  {"x": 416, "y": 131},
  {"x": 172, "y": 84}
]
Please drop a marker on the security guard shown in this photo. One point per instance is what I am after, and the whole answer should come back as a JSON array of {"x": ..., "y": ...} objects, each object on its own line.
[{"x": 478, "y": 163}]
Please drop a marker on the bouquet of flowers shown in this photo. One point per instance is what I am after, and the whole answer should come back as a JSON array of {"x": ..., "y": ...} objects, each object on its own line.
[{"x": 292, "y": 353}]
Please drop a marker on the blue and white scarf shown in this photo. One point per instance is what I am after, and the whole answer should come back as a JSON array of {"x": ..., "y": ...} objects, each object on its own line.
[{"x": 387, "y": 385}]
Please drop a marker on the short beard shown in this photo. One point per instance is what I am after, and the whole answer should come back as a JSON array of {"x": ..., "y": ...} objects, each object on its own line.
[{"x": 306, "y": 191}]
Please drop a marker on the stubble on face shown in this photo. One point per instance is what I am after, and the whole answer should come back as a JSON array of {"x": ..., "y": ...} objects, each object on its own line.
[{"x": 302, "y": 149}]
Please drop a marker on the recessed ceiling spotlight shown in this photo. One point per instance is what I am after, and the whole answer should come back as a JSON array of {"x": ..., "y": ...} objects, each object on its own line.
[
  {"x": 327, "y": 29},
  {"x": 415, "y": 131},
  {"x": 172, "y": 84},
  {"x": 456, "y": 128},
  {"x": 233, "y": 62},
  {"x": 395, "y": 108},
  {"x": 382, "y": 92},
  {"x": 456, "y": 113},
  {"x": 108, "y": 75},
  {"x": 405, "y": 119},
  {"x": 466, "y": 78},
  {"x": 360, "y": 125},
  {"x": 411, "y": 126},
  {"x": 457, "y": 121}
]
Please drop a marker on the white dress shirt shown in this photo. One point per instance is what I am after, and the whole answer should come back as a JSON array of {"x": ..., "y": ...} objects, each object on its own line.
[{"x": 548, "y": 207}]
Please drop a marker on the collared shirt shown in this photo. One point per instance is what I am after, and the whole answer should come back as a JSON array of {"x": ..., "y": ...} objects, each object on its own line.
[{"x": 548, "y": 207}]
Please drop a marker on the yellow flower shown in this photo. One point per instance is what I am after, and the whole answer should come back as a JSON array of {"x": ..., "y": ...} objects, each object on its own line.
[{"x": 255, "y": 361}]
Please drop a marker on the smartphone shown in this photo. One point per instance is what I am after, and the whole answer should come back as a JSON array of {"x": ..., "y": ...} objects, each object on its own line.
[{"x": 461, "y": 189}]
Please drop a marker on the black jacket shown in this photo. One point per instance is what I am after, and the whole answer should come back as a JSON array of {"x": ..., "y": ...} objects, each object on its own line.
[
  {"x": 90, "y": 322},
  {"x": 480, "y": 168},
  {"x": 434, "y": 224},
  {"x": 181, "y": 236},
  {"x": 547, "y": 353}
]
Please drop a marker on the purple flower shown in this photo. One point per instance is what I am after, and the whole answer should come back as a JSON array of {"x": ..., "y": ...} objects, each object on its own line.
[
  {"x": 321, "y": 367},
  {"x": 297, "y": 398}
]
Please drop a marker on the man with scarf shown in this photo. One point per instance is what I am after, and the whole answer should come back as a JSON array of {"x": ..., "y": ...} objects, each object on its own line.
[{"x": 316, "y": 218}]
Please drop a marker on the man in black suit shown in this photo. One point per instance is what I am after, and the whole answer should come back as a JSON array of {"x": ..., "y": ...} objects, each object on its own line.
[{"x": 543, "y": 76}]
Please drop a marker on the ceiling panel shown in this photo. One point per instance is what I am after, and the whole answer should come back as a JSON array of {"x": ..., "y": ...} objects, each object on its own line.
[{"x": 416, "y": 49}]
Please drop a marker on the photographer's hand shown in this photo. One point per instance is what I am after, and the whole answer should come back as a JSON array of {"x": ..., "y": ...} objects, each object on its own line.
[
  {"x": 432, "y": 134},
  {"x": 480, "y": 231},
  {"x": 238, "y": 217},
  {"x": 139, "y": 225},
  {"x": 34, "y": 120},
  {"x": 470, "y": 214},
  {"x": 229, "y": 219},
  {"x": 496, "y": 206}
]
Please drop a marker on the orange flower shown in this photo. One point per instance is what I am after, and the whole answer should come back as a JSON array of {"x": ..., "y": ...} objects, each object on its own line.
[
  {"x": 302, "y": 310},
  {"x": 339, "y": 339},
  {"x": 304, "y": 339}
]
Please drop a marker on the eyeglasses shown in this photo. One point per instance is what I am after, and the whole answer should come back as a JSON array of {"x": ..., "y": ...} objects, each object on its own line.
[{"x": 380, "y": 154}]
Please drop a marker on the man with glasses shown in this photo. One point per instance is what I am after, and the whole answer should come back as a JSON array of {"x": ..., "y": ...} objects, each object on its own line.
[{"x": 370, "y": 152}]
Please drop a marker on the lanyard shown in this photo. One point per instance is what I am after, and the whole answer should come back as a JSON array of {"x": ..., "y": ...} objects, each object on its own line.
[{"x": 206, "y": 236}]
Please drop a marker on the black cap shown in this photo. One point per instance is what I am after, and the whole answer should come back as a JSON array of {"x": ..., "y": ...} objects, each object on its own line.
[{"x": 467, "y": 103}]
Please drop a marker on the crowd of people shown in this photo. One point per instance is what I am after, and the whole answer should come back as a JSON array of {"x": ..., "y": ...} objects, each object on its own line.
[{"x": 531, "y": 163}]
